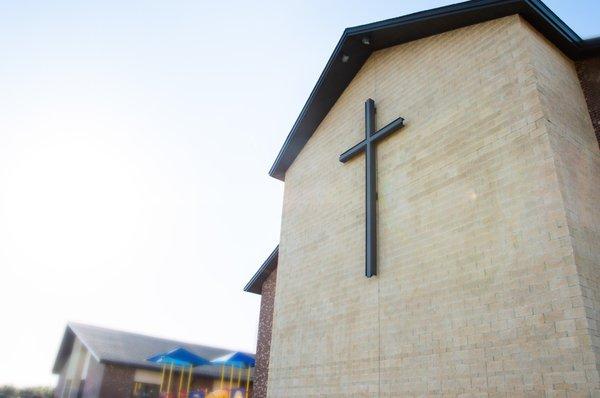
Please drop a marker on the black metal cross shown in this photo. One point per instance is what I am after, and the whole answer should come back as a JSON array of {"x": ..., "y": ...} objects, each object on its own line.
[{"x": 368, "y": 146}]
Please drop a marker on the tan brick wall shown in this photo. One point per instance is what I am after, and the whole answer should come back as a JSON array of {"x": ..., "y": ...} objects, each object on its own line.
[
  {"x": 484, "y": 223},
  {"x": 577, "y": 159}
]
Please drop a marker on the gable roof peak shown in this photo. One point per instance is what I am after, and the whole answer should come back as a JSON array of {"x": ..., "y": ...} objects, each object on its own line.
[{"x": 359, "y": 42}]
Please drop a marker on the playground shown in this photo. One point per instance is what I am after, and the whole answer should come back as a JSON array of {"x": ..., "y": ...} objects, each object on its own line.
[{"x": 178, "y": 381}]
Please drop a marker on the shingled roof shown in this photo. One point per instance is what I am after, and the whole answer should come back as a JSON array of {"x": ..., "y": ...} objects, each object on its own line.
[
  {"x": 358, "y": 43},
  {"x": 129, "y": 349}
]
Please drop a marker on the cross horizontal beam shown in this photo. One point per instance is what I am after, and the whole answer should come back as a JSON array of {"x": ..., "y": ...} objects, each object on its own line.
[
  {"x": 352, "y": 152},
  {"x": 377, "y": 136}
]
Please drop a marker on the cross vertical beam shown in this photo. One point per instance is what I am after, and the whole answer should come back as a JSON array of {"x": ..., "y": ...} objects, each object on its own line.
[
  {"x": 368, "y": 145},
  {"x": 370, "y": 192}
]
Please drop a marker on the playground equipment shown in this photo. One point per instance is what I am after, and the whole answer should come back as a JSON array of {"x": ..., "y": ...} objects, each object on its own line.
[
  {"x": 184, "y": 361},
  {"x": 239, "y": 361},
  {"x": 178, "y": 358}
]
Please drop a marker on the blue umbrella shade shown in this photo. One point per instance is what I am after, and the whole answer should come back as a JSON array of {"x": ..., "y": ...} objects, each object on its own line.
[
  {"x": 236, "y": 360},
  {"x": 179, "y": 357}
]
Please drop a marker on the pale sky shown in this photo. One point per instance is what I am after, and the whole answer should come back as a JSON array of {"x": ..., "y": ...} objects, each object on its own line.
[{"x": 135, "y": 140}]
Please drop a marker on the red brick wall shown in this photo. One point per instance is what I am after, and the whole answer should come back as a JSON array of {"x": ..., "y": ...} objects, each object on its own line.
[
  {"x": 589, "y": 76},
  {"x": 117, "y": 382},
  {"x": 263, "y": 346}
]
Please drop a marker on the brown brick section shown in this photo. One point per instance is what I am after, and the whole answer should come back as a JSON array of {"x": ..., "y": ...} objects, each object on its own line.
[
  {"x": 117, "y": 382},
  {"x": 589, "y": 76},
  {"x": 263, "y": 345}
]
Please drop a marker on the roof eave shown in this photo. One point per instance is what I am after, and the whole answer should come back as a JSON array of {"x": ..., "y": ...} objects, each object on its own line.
[
  {"x": 257, "y": 280},
  {"x": 337, "y": 75}
]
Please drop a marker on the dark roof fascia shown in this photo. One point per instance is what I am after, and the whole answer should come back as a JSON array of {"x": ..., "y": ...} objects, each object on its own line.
[
  {"x": 255, "y": 284},
  {"x": 383, "y": 34}
]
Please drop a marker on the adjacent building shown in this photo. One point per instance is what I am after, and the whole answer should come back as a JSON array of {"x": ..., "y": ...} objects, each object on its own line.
[{"x": 95, "y": 362}]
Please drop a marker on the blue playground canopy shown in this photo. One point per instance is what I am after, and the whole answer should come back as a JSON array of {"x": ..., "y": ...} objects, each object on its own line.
[
  {"x": 236, "y": 360},
  {"x": 179, "y": 357}
]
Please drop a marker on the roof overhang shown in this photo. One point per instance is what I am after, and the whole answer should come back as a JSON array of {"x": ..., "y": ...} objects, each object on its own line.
[
  {"x": 66, "y": 345},
  {"x": 74, "y": 331},
  {"x": 351, "y": 53},
  {"x": 255, "y": 284}
]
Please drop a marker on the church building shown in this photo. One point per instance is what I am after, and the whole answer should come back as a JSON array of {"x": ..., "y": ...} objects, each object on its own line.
[{"x": 440, "y": 230}]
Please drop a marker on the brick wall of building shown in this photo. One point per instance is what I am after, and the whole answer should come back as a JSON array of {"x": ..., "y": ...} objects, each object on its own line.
[
  {"x": 263, "y": 345},
  {"x": 117, "y": 382},
  {"x": 577, "y": 161},
  {"x": 487, "y": 282},
  {"x": 589, "y": 75}
]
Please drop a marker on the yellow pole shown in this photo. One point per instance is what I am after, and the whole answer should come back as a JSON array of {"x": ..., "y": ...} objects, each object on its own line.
[
  {"x": 231, "y": 377},
  {"x": 248, "y": 382},
  {"x": 239, "y": 377},
  {"x": 162, "y": 378},
  {"x": 169, "y": 383},
  {"x": 222, "y": 375},
  {"x": 180, "y": 383},
  {"x": 189, "y": 380}
]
